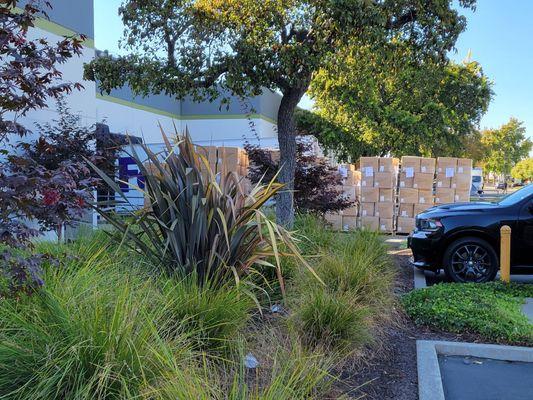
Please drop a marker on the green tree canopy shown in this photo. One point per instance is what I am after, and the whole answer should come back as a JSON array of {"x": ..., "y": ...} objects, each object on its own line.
[
  {"x": 181, "y": 47},
  {"x": 392, "y": 101},
  {"x": 523, "y": 170},
  {"x": 505, "y": 146}
]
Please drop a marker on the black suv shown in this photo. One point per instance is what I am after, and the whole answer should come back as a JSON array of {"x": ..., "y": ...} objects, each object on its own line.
[{"x": 464, "y": 238}]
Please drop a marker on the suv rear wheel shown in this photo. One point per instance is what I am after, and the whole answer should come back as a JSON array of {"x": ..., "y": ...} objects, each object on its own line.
[{"x": 470, "y": 259}]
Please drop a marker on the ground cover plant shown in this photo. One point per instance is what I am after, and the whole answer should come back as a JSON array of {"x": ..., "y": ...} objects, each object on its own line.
[{"x": 491, "y": 310}]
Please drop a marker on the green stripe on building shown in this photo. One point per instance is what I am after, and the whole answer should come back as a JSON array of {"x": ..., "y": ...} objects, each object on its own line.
[{"x": 180, "y": 117}]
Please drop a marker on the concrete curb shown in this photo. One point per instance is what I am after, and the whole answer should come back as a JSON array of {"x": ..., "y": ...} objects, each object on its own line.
[
  {"x": 420, "y": 278},
  {"x": 429, "y": 376}
]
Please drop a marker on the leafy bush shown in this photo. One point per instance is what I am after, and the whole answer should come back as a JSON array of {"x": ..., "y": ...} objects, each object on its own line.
[
  {"x": 316, "y": 184},
  {"x": 357, "y": 296},
  {"x": 491, "y": 310},
  {"x": 29, "y": 78},
  {"x": 198, "y": 223}
]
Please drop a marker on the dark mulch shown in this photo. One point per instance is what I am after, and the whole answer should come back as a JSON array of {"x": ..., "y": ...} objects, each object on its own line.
[{"x": 392, "y": 372}]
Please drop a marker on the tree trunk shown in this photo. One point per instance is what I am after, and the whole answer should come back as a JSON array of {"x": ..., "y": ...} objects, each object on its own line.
[{"x": 287, "y": 150}]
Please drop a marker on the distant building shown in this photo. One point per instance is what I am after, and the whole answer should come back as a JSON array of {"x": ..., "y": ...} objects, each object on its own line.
[{"x": 245, "y": 120}]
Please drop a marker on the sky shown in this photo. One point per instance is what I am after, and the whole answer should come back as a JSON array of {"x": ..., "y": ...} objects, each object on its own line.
[{"x": 499, "y": 36}]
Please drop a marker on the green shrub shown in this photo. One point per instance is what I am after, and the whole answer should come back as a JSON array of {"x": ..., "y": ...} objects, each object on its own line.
[
  {"x": 209, "y": 317},
  {"x": 327, "y": 317},
  {"x": 197, "y": 222},
  {"x": 491, "y": 310},
  {"x": 90, "y": 333},
  {"x": 357, "y": 296}
]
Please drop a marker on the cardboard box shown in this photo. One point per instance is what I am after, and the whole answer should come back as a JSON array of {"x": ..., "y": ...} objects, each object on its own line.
[
  {"x": 385, "y": 224},
  {"x": 351, "y": 211},
  {"x": 406, "y": 180},
  {"x": 349, "y": 223},
  {"x": 427, "y": 165},
  {"x": 369, "y": 194},
  {"x": 386, "y": 195},
  {"x": 443, "y": 181},
  {"x": 464, "y": 166},
  {"x": 425, "y": 196},
  {"x": 462, "y": 196},
  {"x": 367, "y": 181},
  {"x": 444, "y": 196},
  {"x": 349, "y": 192},
  {"x": 462, "y": 182},
  {"x": 420, "y": 208},
  {"x": 369, "y": 166},
  {"x": 408, "y": 195},
  {"x": 423, "y": 181},
  {"x": 367, "y": 209},
  {"x": 444, "y": 163},
  {"x": 352, "y": 178},
  {"x": 384, "y": 210},
  {"x": 405, "y": 225},
  {"x": 406, "y": 210},
  {"x": 370, "y": 223},
  {"x": 411, "y": 162},
  {"x": 335, "y": 220},
  {"x": 388, "y": 164},
  {"x": 384, "y": 180}
]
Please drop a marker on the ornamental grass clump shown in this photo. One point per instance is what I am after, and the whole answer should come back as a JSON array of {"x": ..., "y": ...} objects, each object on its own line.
[{"x": 199, "y": 222}]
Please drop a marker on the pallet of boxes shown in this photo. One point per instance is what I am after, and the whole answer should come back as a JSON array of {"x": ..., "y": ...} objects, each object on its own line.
[
  {"x": 347, "y": 219},
  {"x": 454, "y": 177},
  {"x": 378, "y": 190},
  {"x": 227, "y": 159},
  {"x": 415, "y": 193}
]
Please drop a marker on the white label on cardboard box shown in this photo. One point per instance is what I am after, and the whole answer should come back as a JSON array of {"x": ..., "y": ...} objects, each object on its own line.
[
  {"x": 404, "y": 213},
  {"x": 382, "y": 199},
  {"x": 421, "y": 200},
  {"x": 454, "y": 185},
  {"x": 402, "y": 200},
  {"x": 400, "y": 228},
  {"x": 450, "y": 172},
  {"x": 369, "y": 171},
  {"x": 415, "y": 185},
  {"x": 439, "y": 184},
  {"x": 402, "y": 184},
  {"x": 460, "y": 170},
  {"x": 343, "y": 171},
  {"x": 377, "y": 213},
  {"x": 440, "y": 170},
  {"x": 456, "y": 198},
  {"x": 383, "y": 227},
  {"x": 409, "y": 172},
  {"x": 364, "y": 213},
  {"x": 382, "y": 168},
  {"x": 376, "y": 184},
  {"x": 437, "y": 199},
  {"x": 363, "y": 198},
  {"x": 363, "y": 183},
  {"x": 423, "y": 169}
]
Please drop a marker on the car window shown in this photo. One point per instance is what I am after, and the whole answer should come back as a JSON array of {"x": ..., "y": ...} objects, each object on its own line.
[
  {"x": 476, "y": 179},
  {"x": 518, "y": 196}
]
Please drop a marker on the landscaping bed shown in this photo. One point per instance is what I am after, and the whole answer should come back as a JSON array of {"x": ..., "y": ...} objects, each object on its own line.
[
  {"x": 104, "y": 324},
  {"x": 491, "y": 310}
]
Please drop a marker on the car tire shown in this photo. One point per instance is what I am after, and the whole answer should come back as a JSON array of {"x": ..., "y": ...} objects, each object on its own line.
[{"x": 470, "y": 259}]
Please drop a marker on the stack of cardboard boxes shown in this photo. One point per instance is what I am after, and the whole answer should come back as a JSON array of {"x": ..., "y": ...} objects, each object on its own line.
[
  {"x": 226, "y": 159},
  {"x": 378, "y": 190},
  {"x": 351, "y": 180},
  {"x": 454, "y": 176},
  {"x": 415, "y": 190}
]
